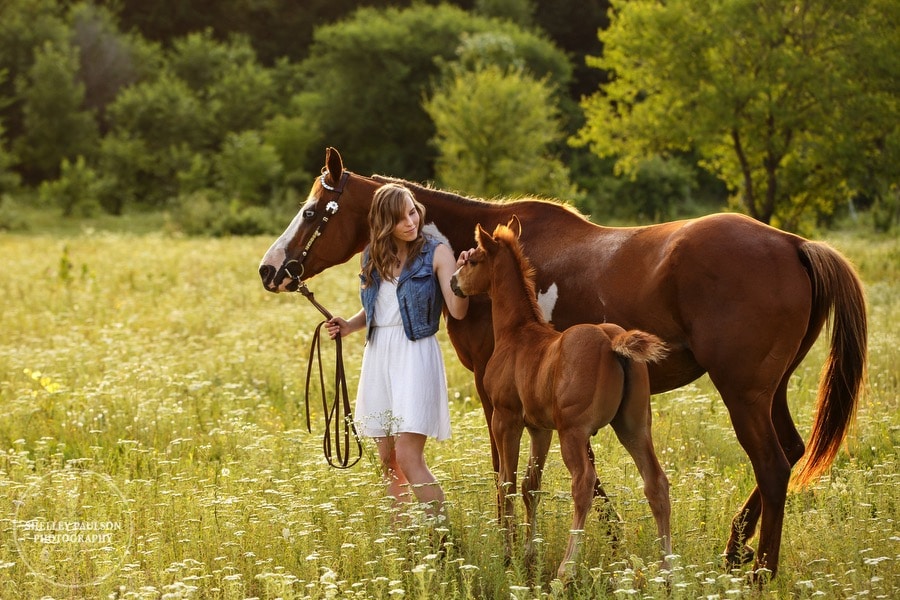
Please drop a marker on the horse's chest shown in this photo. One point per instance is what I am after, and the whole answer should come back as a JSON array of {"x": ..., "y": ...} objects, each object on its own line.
[{"x": 518, "y": 380}]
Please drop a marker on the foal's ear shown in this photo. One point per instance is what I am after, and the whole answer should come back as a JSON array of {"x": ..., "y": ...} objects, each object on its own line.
[
  {"x": 515, "y": 226},
  {"x": 484, "y": 239},
  {"x": 334, "y": 165}
]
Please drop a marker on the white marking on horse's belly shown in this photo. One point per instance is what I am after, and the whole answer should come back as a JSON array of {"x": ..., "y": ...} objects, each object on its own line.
[{"x": 547, "y": 301}]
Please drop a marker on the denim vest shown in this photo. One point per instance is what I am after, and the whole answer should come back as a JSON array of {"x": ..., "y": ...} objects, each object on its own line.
[{"x": 418, "y": 293}]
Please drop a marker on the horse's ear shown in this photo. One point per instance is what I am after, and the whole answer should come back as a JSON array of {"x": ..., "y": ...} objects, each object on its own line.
[
  {"x": 484, "y": 239},
  {"x": 515, "y": 226},
  {"x": 334, "y": 165}
]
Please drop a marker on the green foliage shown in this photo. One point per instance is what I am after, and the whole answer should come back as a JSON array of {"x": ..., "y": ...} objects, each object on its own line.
[
  {"x": 366, "y": 77},
  {"x": 495, "y": 129},
  {"x": 162, "y": 112},
  {"x": 9, "y": 179},
  {"x": 293, "y": 138},
  {"x": 156, "y": 128},
  {"x": 235, "y": 89},
  {"x": 109, "y": 59},
  {"x": 248, "y": 167},
  {"x": 659, "y": 189},
  {"x": 25, "y": 27},
  {"x": 55, "y": 124},
  {"x": 760, "y": 90},
  {"x": 11, "y": 217},
  {"x": 76, "y": 192},
  {"x": 204, "y": 213},
  {"x": 517, "y": 11}
]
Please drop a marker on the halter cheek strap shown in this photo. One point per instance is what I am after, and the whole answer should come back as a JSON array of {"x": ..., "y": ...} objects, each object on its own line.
[
  {"x": 339, "y": 413},
  {"x": 331, "y": 209}
]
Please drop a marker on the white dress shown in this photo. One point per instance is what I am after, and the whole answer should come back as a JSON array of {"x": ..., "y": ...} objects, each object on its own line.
[{"x": 403, "y": 385}]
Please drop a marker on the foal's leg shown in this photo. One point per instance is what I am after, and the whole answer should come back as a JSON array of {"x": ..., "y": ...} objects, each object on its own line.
[
  {"x": 632, "y": 425},
  {"x": 573, "y": 443},
  {"x": 507, "y": 427},
  {"x": 531, "y": 485},
  {"x": 607, "y": 510}
]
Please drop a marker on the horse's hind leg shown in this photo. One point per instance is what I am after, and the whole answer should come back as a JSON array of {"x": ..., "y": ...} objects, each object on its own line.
[
  {"x": 572, "y": 444},
  {"x": 743, "y": 526},
  {"x": 607, "y": 511},
  {"x": 531, "y": 486},
  {"x": 632, "y": 425}
]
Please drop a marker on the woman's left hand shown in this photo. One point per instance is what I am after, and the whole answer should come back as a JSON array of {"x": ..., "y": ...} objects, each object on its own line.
[{"x": 464, "y": 257}]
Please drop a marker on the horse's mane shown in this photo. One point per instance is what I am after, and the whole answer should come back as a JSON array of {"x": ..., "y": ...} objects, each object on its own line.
[
  {"x": 446, "y": 195},
  {"x": 505, "y": 236}
]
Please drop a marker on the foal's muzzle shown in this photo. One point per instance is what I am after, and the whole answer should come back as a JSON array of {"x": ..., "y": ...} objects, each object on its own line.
[{"x": 454, "y": 285}]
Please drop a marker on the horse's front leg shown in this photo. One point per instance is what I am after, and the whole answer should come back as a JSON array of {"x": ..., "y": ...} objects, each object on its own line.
[
  {"x": 531, "y": 486},
  {"x": 573, "y": 445},
  {"x": 507, "y": 427}
]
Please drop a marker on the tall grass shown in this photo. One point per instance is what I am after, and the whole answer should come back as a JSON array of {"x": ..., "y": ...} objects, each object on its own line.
[{"x": 159, "y": 365}]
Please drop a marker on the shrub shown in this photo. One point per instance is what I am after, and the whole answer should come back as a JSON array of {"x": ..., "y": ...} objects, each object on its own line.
[
  {"x": 11, "y": 218},
  {"x": 76, "y": 192},
  {"x": 248, "y": 167}
]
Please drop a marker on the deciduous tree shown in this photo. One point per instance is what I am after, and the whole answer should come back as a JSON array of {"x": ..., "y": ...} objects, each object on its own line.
[{"x": 779, "y": 98}]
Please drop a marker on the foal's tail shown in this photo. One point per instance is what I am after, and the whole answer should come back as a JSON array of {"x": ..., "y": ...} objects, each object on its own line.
[
  {"x": 836, "y": 293},
  {"x": 639, "y": 346}
]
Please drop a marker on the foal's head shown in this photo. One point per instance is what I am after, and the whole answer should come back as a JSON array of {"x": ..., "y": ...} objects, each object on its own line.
[{"x": 474, "y": 277}]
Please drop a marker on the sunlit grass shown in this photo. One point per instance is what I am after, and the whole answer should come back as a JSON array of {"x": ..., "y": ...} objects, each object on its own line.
[{"x": 161, "y": 363}]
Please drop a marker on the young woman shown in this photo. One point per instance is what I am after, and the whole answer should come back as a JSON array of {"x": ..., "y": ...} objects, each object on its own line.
[{"x": 402, "y": 397}]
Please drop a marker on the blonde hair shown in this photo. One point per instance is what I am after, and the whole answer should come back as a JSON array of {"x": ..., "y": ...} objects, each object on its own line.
[{"x": 389, "y": 208}]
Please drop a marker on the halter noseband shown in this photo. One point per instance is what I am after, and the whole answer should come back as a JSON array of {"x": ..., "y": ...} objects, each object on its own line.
[{"x": 331, "y": 209}]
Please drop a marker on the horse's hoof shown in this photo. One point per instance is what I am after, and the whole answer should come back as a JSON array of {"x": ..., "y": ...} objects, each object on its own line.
[{"x": 737, "y": 558}]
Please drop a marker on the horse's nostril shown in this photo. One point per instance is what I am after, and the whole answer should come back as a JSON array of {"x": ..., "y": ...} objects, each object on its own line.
[{"x": 266, "y": 272}]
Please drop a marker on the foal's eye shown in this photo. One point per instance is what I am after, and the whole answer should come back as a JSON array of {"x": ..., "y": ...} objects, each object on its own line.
[{"x": 309, "y": 213}]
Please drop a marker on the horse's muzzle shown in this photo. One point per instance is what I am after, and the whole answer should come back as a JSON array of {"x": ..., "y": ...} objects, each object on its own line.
[
  {"x": 455, "y": 287},
  {"x": 267, "y": 274}
]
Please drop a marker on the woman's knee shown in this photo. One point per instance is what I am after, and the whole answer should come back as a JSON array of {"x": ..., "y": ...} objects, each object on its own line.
[{"x": 409, "y": 453}]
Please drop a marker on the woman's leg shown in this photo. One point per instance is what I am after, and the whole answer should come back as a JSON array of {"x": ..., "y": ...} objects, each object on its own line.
[
  {"x": 397, "y": 484},
  {"x": 409, "y": 453}
]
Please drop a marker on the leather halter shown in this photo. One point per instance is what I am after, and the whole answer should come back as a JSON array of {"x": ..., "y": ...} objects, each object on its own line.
[
  {"x": 331, "y": 208},
  {"x": 339, "y": 412}
]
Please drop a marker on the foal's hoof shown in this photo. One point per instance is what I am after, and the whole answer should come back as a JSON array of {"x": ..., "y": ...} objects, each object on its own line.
[{"x": 737, "y": 558}]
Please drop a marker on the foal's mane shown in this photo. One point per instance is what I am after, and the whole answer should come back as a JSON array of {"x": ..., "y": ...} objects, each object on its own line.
[{"x": 525, "y": 270}]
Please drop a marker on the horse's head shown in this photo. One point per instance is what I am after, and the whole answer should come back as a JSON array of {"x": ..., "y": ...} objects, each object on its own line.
[
  {"x": 474, "y": 277},
  {"x": 331, "y": 226}
]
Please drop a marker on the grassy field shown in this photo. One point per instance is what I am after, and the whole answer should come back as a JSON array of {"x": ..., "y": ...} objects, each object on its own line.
[{"x": 153, "y": 445}]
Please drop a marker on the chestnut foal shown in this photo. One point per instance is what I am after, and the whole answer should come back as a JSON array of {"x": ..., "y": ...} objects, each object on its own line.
[{"x": 574, "y": 382}]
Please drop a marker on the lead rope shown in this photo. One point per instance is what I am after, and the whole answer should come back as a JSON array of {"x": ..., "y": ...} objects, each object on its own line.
[{"x": 340, "y": 410}]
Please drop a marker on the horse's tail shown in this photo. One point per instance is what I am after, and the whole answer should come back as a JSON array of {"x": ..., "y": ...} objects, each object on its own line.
[
  {"x": 836, "y": 293},
  {"x": 639, "y": 346}
]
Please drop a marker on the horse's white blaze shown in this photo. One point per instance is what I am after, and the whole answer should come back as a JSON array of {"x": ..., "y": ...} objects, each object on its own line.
[
  {"x": 277, "y": 251},
  {"x": 547, "y": 301}
]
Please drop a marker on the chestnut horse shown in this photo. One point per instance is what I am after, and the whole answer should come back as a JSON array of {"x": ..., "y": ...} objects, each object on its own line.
[
  {"x": 729, "y": 296},
  {"x": 574, "y": 382}
]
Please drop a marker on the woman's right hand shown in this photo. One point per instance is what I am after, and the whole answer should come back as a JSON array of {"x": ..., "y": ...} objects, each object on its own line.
[{"x": 337, "y": 325}]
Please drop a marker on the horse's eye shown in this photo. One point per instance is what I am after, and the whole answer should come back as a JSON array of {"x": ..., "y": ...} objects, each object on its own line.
[{"x": 309, "y": 213}]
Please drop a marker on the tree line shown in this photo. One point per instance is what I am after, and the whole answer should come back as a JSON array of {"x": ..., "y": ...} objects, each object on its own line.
[{"x": 218, "y": 112}]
